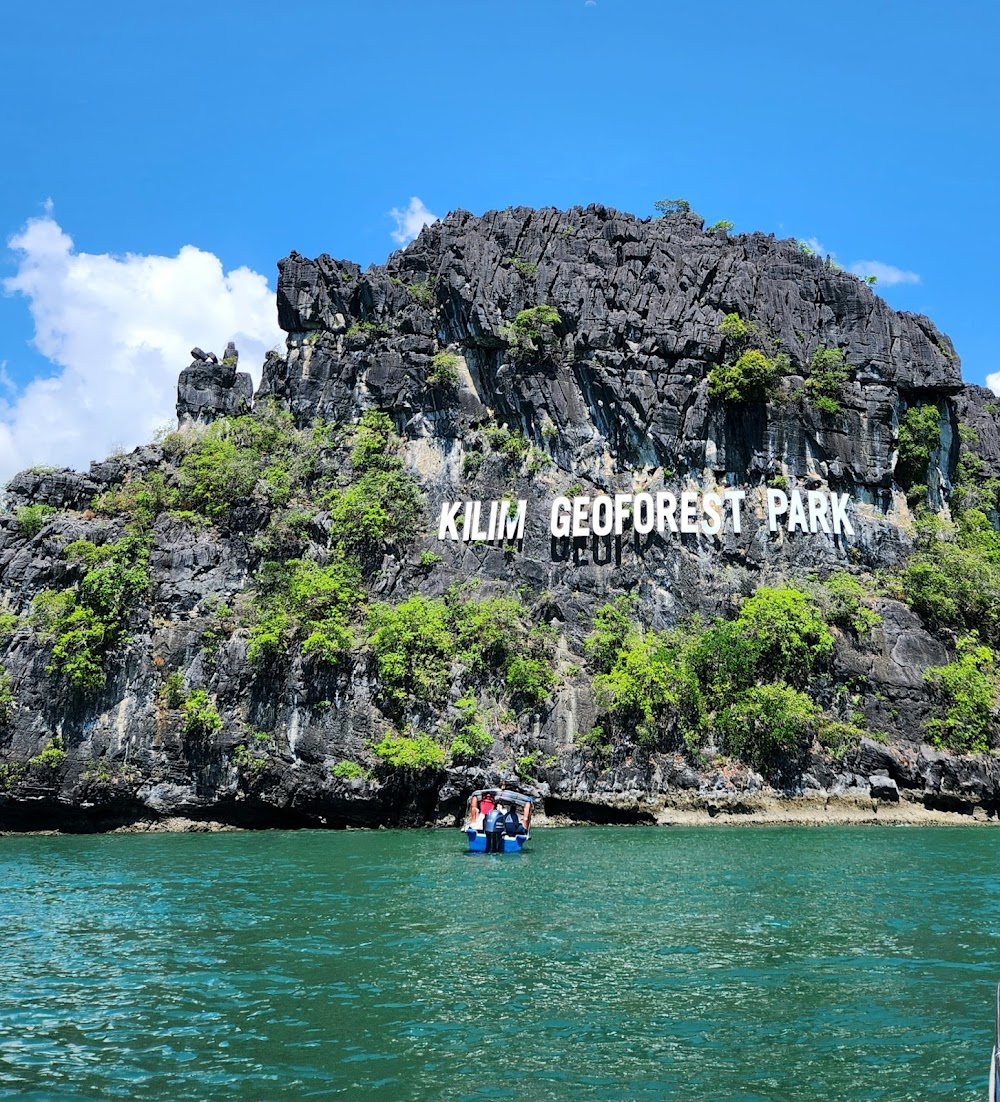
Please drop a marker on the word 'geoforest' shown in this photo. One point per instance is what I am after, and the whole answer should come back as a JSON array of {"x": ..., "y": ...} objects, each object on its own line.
[{"x": 689, "y": 513}]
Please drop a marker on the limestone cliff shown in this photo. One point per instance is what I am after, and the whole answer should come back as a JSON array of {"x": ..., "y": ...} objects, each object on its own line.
[{"x": 610, "y": 391}]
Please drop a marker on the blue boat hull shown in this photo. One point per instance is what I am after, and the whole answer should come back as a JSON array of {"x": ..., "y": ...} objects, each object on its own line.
[{"x": 477, "y": 842}]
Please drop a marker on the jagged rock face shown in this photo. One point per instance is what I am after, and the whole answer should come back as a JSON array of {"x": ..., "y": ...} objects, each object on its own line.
[
  {"x": 614, "y": 398},
  {"x": 208, "y": 389},
  {"x": 640, "y": 304}
]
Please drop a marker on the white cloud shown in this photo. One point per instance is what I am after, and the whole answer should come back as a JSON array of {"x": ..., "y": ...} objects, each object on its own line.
[
  {"x": 993, "y": 382},
  {"x": 815, "y": 245},
  {"x": 887, "y": 274},
  {"x": 120, "y": 328},
  {"x": 411, "y": 221}
]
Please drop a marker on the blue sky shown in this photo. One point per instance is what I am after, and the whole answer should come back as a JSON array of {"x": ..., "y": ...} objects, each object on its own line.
[{"x": 248, "y": 129}]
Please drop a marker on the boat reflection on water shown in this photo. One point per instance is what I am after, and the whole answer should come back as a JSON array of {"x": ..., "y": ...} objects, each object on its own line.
[{"x": 497, "y": 820}]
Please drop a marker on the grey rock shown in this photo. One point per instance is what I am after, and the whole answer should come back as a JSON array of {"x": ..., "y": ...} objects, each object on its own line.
[
  {"x": 207, "y": 389},
  {"x": 881, "y": 787}
]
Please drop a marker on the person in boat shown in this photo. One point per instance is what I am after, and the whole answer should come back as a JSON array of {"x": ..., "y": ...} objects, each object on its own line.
[
  {"x": 493, "y": 825},
  {"x": 511, "y": 823},
  {"x": 479, "y": 808}
]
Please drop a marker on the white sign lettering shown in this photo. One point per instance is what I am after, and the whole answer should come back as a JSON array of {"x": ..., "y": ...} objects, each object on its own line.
[{"x": 690, "y": 513}]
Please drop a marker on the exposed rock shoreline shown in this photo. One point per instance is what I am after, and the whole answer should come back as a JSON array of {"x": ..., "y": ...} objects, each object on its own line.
[{"x": 763, "y": 811}]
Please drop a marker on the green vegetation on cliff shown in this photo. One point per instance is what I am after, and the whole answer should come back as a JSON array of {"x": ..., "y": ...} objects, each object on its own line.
[
  {"x": 953, "y": 578},
  {"x": 87, "y": 620},
  {"x": 423, "y": 644},
  {"x": 738, "y": 683},
  {"x": 919, "y": 437},
  {"x": 827, "y": 378},
  {"x": 967, "y": 689},
  {"x": 747, "y": 380}
]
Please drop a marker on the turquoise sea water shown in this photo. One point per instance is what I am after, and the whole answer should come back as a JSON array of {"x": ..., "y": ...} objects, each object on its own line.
[{"x": 604, "y": 963}]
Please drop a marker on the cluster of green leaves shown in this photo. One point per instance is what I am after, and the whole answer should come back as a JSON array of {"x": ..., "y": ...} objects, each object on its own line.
[
  {"x": 381, "y": 503},
  {"x": 251, "y": 758},
  {"x": 737, "y": 332},
  {"x": 749, "y": 379},
  {"x": 219, "y": 627},
  {"x": 918, "y": 439},
  {"x": 423, "y": 292},
  {"x": 30, "y": 519},
  {"x": 766, "y": 720},
  {"x": 722, "y": 224},
  {"x": 966, "y": 690},
  {"x": 530, "y": 330},
  {"x": 665, "y": 207},
  {"x": 141, "y": 499},
  {"x": 953, "y": 578},
  {"x": 752, "y": 375},
  {"x": 652, "y": 690},
  {"x": 348, "y": 771},
  {"x": 532, "y": 322},
  {"x": 971, "y": 489},
  {"x": 7, "y": 698},
  {"x": 443, "y": 371},
  {"x": 201, "y": 718},
  {"x": 86, "y": 621},
  {"x": 472, "y": 739},
  {"x": 613, "y": 630},
  {"x": 260, "y": 456},
  {"x": 104, "y": 771},
  {"x": 523, "y": 267},
  {"x": 304, "y": 602},
  {"x": 11, "y": 774},
  {"x": 371, "y": 502},
  {"x": 844, "y": 600},
  {"x": 172, "y": 691},
  {"x": 287, "y": 533},
  {"x": 595, "y": 743},
  {"x": 422, "y": 644},
  {"x": 414, "y": 646},
  {"x": 9, "y": 622},
  {"x": 838, "y": 738},
  {"x": 528, "y": 765},
  {"x": 827, "y": 377},
  {"x": 741, "y": 678},
  {"x": 417, "y": 752},
  {"x": 52, "y": 755},
  {"x": 511, "y": 445}
]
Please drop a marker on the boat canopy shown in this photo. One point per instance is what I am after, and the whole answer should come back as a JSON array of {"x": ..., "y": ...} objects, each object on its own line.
[{"x": 504, "y": 796}]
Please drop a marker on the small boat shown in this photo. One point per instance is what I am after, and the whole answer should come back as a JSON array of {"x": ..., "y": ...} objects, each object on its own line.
[{"x": 497, "y": 820}]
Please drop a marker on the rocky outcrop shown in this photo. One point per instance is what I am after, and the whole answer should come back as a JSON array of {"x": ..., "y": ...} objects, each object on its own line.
[
  {"x": 625, "y": 374},
  {"x": 612, "y": 397},
  {"x": 209, "y": 389}
]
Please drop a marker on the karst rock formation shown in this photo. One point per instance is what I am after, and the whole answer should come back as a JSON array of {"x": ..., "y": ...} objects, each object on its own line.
[{"x": 608, "y": 391}]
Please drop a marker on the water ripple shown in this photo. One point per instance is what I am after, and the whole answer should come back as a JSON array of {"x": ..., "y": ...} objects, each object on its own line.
[{"x": 757, "y": 964}]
